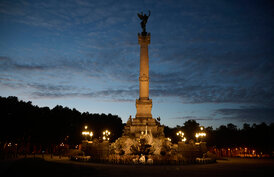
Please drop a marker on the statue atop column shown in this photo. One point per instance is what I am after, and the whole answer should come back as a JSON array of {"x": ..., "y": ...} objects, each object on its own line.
[{"x": 144, "y": 19}]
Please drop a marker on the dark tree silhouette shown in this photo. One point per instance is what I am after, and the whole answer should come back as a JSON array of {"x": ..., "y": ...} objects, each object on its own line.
[
  {"x": 257, "y": 137},
  {"x": 23, "y": 123},
  {"x": 28, "y": 125}
]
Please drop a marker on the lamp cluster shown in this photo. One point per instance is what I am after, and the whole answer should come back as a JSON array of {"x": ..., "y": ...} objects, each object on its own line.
[
  {"x": 106, "y": 135},
  {"x": 197, "y": 135},
  {"x": 200, "y": 134},
  {"x": 87, "y": 133},
  {"x": 181, "y": 134}
]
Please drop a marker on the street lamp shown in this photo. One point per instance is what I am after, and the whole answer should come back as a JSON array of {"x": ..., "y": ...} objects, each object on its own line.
[
  {"x": 106, "y": 134},
  {"x": 181, "y": 135},
  {"x": 200, "y": 134},
  {"x": 87, "y": 133}
]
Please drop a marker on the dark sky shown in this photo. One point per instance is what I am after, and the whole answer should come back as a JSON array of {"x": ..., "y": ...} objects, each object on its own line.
[{"x": 211, "y": 60}]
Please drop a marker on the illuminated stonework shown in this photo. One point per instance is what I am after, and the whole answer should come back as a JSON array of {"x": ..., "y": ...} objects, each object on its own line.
[
  {"x": 143, "y": 121},
  {"x": 143, "y": 139},
  {"x": 144, "y": 104},
  {"x": 143, "y": 126}
]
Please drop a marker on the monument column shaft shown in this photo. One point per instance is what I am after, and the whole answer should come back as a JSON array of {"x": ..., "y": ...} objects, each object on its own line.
[
  {"x": 144, "y": 72},
  {"x": 144, "y": 104}
]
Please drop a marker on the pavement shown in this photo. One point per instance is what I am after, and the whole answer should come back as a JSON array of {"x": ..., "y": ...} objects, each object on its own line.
[{"x": 64, "y": 167}]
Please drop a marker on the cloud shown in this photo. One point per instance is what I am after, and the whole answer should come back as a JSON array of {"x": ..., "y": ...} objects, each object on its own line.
[
  {"x": 29, "y": 67},
  {"x": 195, "y": 118},
  {"x": 195, "y": 55},
  {"x": 57, "y": 67},
  {"x": 190, "y": 88},
  {"x": 51, "y": 88},
  {"x": 216, "y": 94},
  {"x": 4, "y": 59},
  {"x": 104, "y": 95},
  {"x": 248, "y": 114},
  {"x": 53, "y": 95},
  {"x": 6, "y": 63},
  {"x": 65, "y": 15},
  {"x": 45, "y": 88}
]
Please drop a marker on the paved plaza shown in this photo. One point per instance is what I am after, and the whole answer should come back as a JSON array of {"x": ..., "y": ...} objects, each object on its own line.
[{"x": 65, "y": 167}]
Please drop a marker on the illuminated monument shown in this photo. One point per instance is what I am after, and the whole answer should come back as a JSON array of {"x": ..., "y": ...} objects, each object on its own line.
[
  {"x": 142, "y": 128},
  {"x": 143, "y": 137},
  {"x": 143, "y": 121}
]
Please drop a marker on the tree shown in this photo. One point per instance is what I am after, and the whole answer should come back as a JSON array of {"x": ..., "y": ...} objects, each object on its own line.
[{"x": 190, "y": 128}]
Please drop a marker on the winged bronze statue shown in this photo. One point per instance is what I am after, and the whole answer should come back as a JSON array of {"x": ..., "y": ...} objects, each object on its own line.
[{"x": 144, "y": 18}]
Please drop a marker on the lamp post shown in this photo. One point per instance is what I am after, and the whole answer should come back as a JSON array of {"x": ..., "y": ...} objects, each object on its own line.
[
  {"x": 106, "y": 134},
  {"x": 87, "y": 134},
  {"x": 197, "y": 136},
  {"x": 181, "y": 135},
  {"x": 200, "y": 134}
]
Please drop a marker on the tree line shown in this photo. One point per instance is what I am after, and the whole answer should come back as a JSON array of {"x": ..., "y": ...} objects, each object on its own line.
[
  {"x": 22, "y": 122},
  {"x": 256, "y": 136}
]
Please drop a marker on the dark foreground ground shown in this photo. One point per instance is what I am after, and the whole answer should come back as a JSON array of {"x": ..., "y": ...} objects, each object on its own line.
[{"x": 229, "y": 168}]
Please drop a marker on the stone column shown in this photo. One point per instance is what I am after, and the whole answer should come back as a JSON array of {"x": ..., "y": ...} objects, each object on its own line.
[{"x": 144, "y": 104}]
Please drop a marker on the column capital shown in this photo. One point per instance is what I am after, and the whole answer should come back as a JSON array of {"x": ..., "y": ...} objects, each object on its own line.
[{"x": 144, "y": 39}]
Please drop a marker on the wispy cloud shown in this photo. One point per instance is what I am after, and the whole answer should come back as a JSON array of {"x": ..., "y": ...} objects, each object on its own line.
[
  {"x": 195, "y": 118},
  {"x": 106, "y": 95},
  {"x": 65, "y": 14},
  {"x": 202, "y": 52},
  {"x": 248, "y": 114},
  {"x": 217, "y": 94},
  {"x": 6, "y": 63},
  {"x": 192, "y": 88}
]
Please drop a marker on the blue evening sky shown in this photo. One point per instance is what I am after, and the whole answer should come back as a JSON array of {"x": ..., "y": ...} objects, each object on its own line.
[{"x": 210, "y": 60}]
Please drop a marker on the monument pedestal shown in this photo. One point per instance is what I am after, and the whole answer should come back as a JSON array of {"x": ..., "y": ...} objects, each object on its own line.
[
  {"x": 137, "y": 126},
  {"x": 143, "y": 108}
]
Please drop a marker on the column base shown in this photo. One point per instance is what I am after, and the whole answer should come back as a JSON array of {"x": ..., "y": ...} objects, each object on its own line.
[{"x": 143, "y": 107}]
